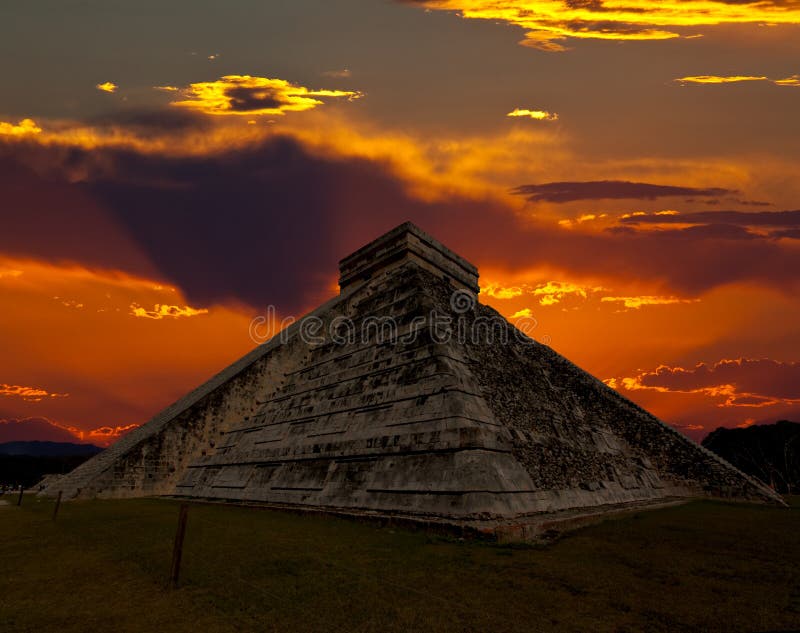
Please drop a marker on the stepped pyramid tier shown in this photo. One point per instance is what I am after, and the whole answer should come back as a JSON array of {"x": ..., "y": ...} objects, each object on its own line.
[{"x": 404, "y": 396}]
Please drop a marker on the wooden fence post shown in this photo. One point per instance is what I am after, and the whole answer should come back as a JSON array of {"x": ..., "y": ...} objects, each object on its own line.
[
  {"x": 58, "y": 504},
  {"x": 177, "y": 549}
]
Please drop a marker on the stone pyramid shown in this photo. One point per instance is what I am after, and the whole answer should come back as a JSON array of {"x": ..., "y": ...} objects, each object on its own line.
[{"x": 405, "y": 397}]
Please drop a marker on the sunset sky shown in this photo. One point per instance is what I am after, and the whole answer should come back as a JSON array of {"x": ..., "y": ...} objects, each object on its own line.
[{"x": 626, "y": 172}]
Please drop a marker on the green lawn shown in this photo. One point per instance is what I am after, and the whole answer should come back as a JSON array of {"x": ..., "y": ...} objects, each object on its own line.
[{"x": 103, "y": 567}]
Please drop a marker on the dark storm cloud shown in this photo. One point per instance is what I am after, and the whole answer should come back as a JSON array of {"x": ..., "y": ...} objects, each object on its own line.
[
  {"x": 610, "y": 190},
  {"x": 42, "y": 214},
  {"x": 267, "y": 223}
]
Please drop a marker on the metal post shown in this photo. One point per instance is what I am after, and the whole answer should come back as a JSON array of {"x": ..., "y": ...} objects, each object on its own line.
[{"x": 21, "y": 490}]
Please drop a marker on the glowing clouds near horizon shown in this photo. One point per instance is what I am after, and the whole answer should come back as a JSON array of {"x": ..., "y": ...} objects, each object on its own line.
[
  {"x": 43, "y": 429},
  {"x": 741, "y": 382},
  {"x": 547, "y": 23},
  {"x": 536, "y": 115},
  {"x": 245, "y": 95}
]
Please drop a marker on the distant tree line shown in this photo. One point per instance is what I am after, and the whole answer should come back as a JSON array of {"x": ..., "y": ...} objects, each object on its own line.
[
  {"x": 770, "y": 452},
  {"x": 25, "y": 463},
  {"x": 28, "y": 469}
]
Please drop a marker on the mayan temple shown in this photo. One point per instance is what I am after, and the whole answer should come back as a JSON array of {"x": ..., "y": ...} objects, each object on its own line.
[{"x": 404, "y": 397}]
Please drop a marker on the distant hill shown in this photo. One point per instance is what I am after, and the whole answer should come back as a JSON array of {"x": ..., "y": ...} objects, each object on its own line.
[
  {"x": 48, "y": 449},
  {"x": 25, "y": 463},
  {"x": 770, "y": 452}
]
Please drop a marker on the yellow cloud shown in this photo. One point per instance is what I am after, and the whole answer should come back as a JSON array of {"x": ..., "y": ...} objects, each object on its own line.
[
  {"x": 549, "y": 293},
  {"x": 251, "y": 96},
  {"x": 24, "y": 127},
  {"x": 713, "y": 79},
  {"x": 539, "y": 115},
  {"x": 586, "y": 217},
  {"x": 163, "y": 311},
  {"x": 497, "y": 291},
  {"x": 794, "y": 80},
  {"x": 548, "y": 22},
  {"x": 108, "y": 86},
  {"x": 525, "y": 313},
  {"x": 554, "y": 292}
]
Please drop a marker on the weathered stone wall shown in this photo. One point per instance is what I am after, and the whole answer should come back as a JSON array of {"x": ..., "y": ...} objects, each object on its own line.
[
  {"x": 390, "y": 423},
  {"x": 572, "y": 432}
]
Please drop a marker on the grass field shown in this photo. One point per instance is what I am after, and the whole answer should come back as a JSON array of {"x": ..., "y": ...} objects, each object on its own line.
[{"x": 103, "y": 566}]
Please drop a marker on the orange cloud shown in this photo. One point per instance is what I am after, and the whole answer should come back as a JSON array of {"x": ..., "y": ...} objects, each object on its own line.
[
  {"x": 30, "y": 394},
  {"x": 103, "y": 435},
  {"x": 253, "y": 96},
  {"x": 646, "y": 300},
  {"x": 108, "y": 86},
  {"x": 549, "y": 22}
]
